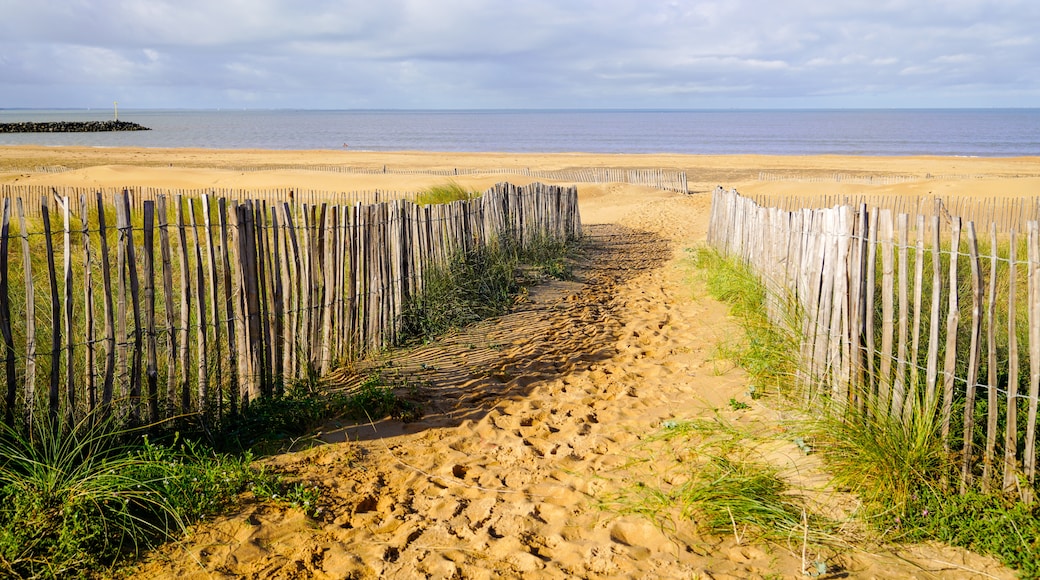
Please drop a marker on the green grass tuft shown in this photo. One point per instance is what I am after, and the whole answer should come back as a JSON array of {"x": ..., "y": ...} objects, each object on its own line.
[
  {"x": 899, "y": 468},
  {"x": 482, "y": 283},
  {"x": 884, "y": 460},
  {"x": 767, "y": 352},
  {"x": 718, "y": 487},
  {"x": 727, "y": 493},
  {"x": 76, "y": 499},
  {"x": 445, "y": 193}
]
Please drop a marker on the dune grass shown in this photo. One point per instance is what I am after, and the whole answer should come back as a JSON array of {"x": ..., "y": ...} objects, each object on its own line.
[
  {"x": 899, "y": 468},
  {"x": 482, "y": 283},
  {"x": 767, "y": 352},
  {"x": 885, "y": 461},
  {"x": 79, "y": 498},
  {"x": 717, "y": 482},
  {"x": 445, "y": 193},
  {"x": 724, "y": 496},
  {"x": 76, "y": 500}
]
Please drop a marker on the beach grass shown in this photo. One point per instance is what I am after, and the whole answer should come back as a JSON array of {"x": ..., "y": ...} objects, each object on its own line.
[
  {"x": 710, "y": 475},
  {"x": 445, "y": 193},
  {"x": 482, "y": 283},
  {"x": 80, "y": 498},
  {"x": 899, "y": 468}
]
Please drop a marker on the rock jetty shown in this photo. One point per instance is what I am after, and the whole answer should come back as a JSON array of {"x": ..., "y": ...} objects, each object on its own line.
[{"x": 70, "y": 127}]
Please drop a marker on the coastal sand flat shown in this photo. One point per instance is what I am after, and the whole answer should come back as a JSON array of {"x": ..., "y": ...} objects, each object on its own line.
[{"x": 537, "y": 419}]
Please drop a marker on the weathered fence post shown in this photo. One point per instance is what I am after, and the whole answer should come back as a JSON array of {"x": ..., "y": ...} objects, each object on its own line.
[
  {"x": 217, "y": 387},
  {"x": 973, "y": 359},
  {"x": 172, "y": 357},
  {"x": 52, "y": 277},
  {"x": 1011, "y": 423},
  {"x": 108, "y": 378},
  {"x": 229, "y": 311},
  {"x": 184, "y": 386},
  {"x": 202, "y": 404},
  {"x": 952, "y": 320},
  {"x": 126, "y": 237},
  {"x": 70, "y": 368},
  {"x": 5, "y": 316},
  {"x": 151, "y": 358}
]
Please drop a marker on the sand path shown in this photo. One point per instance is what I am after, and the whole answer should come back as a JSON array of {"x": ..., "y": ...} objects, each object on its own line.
[
  {"x": 537, "y": 421},
  {"x": 532, "y": 421}
]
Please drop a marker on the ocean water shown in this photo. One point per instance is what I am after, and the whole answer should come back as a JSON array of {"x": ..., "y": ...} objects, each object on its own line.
[{"x": 948, "y": 132}]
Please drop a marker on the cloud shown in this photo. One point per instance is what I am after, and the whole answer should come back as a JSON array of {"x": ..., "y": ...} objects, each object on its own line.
[{"x": 536, "y": 53}]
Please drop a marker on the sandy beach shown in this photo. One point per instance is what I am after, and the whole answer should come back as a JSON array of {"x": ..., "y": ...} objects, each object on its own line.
[
  {"x": 534, "y": 420},
  {"x": 123, "y": 166}
]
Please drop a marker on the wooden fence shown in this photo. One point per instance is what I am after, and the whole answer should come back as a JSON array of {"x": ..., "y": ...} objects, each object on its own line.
[
  {"x": 870, "y": 179},
  {"x": 33, "y": 196},
  {"x": 947, "y": 326},
  {"x": 1006, "y": 213},
  {"x": 209, "y": 303},
  {"x": 666, "y": 179}
]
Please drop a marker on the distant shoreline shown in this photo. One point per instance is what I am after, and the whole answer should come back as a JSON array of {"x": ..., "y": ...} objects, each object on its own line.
[
  {"x": 875, "y": 133},
  {"x": 70, "y": 127}
]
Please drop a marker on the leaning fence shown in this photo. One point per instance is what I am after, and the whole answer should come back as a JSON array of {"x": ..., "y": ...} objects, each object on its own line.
[
  {"x": 901, "y": 316},
  {"x": 198, "y": 305}
]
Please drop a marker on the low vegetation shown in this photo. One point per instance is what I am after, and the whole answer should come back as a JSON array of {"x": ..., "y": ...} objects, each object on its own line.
[
  {"x": 482, "y": 283},
  {"x": 721, "y": 485},
  {"x": 767, "y": 352},
  {"x": 76, "y": 500},
  {"x": 445, "y": 193},
  {"x": 899, "y": 468}
]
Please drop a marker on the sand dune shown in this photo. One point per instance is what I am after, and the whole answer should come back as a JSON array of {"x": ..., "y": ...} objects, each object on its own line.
[{"x": 535, "y": 420}]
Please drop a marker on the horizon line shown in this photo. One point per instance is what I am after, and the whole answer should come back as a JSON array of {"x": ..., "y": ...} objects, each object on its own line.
[{"x": 520, "y": 109}]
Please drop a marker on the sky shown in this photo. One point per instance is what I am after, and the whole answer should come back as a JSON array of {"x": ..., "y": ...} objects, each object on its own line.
[{"x": 519, "y": 54}]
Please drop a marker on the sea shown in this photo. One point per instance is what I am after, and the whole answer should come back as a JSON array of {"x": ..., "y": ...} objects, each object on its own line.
[{"x": 871, "y": 132}]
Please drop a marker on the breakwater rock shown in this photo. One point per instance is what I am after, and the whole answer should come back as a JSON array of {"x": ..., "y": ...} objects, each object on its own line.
[{"x": 70, "y": 127}]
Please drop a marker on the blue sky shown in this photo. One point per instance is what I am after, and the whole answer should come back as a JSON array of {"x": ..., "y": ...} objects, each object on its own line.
[{"x": 458, "y": 54}]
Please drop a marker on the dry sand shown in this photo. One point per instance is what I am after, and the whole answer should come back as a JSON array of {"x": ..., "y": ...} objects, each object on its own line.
[{"x": 534, "y": 419}]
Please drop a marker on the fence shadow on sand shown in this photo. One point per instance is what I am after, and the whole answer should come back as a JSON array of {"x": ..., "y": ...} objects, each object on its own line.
[{"x": 561, "y": 328}]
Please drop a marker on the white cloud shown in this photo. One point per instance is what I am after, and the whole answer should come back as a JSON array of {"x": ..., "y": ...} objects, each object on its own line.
[{"x": 495, "y": 53}]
